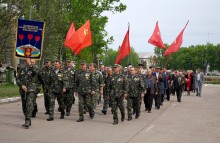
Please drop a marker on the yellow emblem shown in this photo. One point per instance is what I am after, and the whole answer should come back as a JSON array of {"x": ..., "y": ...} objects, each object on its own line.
[{"x": 86, "y": 31}]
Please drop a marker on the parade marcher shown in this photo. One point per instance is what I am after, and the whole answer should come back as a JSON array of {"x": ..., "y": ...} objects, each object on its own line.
[
  {"x": 107, "y": 95},
  {"x": 141, "y": 72},
  {"x": 135, "y": 93},
  {"x": 179, "y": 82},
  {"x": 27, "y": 88},
  {"x": 57, "y": 89},
  {"x": 152, "y": 90},
  {"x": 189, "y": 82},
  {"x": 198, "y": 82},
  {"x": 118, "y": 88},
  {"x": 161, "y": 90},
  {"x": 38, "y": 87},
  {"x": 45, "y": 80},
  {"x": 167, "y": 79},
  {"x": 85, "y": 91},
  {"x": 160, "y": 81},
  {"x": 69, "y": 86},
  {"x": 98, "y": 83}
]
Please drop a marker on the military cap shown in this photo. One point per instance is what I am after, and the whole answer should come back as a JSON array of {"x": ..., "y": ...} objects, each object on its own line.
[
  {"x": 68, "y": 60},
  {"x": 46, "y": 60},
  {"x": 116, "y": 65},
  {"x": 82, "y": 63},
  {"x": 151, "y": 66},
  {"x": 140, "y": 64},
  {"x": 157, "y": 67}
]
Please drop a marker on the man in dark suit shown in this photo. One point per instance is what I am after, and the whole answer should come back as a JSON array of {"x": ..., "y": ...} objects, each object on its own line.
[
  {"x": 179, "y": 82},
  {"x": 160, "y": 82}
]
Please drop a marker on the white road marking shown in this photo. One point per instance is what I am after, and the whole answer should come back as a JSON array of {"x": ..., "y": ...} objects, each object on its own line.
[
  {"x": 149, "y": 128},
  {"x": 173, "y": 105}
]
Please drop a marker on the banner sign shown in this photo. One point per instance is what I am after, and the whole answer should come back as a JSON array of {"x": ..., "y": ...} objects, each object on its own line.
[{"x": 29, "y": 41}]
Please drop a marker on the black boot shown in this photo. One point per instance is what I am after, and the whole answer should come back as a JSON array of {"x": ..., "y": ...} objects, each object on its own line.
[
  {"x": 104, "y": 112},
  {"x": 115, "y": 122},
  {"x": 50, "y": 119},
  {"x": 122, "y": 117},
  {"x": 62, "y": 115},
  {"x": 129, "y": 118},
  {"x": 81, "y": 119}
]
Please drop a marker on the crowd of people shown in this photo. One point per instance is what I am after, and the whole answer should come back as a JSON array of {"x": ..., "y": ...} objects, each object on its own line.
[{"x": 114, "y": 83}]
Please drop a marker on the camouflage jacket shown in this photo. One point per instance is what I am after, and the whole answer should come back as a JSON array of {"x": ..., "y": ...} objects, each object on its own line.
[
  {"x": 83, "y": 80},
  {"x": 45, "y": 76},
  {"x": 118, "y": 85},
  {"x": 97, "y": 80},
  {"x": 27, "y": 77},
  {"x": 56, "y": 81},
  {"x": 69, "y": 78},
  {"x": 135, "y": 85}
]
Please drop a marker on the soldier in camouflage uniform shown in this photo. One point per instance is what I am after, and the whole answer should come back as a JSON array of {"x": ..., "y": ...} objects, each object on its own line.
[
  {"x": 85, "y": 91},
  {"x": 69, "y": 86},
  {"x": 27, "y": 88},
  {"x": 45, "y": 80},
  {"x": 98, "y": 83},
  {"x": 38, "y": 86},
  {"x": 107, "y": 95},
  {"x": 57, "y": 89},
  {"x": 135, "y": 93},
  {"x": 118, "y": 88}
]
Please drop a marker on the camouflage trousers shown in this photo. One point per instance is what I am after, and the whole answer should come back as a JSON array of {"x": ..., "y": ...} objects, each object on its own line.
[
  {"x": 46, "y": 99},
  {"x": 135, "y": 103},
  {"x": 96, "y": 99},
  {"x": 69, "y": 99},
  {"x": 106, "y": 102},
  {"x": 28, "y": 100},
  {"x": 86, "y": 100},
  {"x": 52, "y": 98},
  {"x": 118, "y": 102}
]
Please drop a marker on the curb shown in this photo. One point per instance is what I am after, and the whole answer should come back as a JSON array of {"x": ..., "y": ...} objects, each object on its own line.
[
  {"x": 208, "y": 85},
  {"x": 14, "y": 99}
]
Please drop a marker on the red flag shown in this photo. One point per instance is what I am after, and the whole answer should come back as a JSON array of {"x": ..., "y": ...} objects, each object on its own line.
[
  {"x": 124, "y": 49},
  {"x": 83, "y": 38},
  {"x": 156, "y": 39},
  {"x": 175, "y": 46},
  {"x": 70, "y": 32}
]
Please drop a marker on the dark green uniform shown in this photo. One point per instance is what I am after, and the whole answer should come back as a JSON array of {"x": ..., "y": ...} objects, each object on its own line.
[
  {"x": 135, "y": 89},
  {"x": 56, "y": 87},
  {"x": 107, "y": 95},
  {"x": 69, "y": 85},
  {"x": 97, "y": 81},
  {"x": 26, "y": 77},
  {"x": 84, "y": 90},
  {"x": 118, "y": 87},
  {"x": 45, "y": 78}
]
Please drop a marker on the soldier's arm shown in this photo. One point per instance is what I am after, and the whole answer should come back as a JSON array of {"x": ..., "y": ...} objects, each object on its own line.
[{"x": 101, "y": 84}]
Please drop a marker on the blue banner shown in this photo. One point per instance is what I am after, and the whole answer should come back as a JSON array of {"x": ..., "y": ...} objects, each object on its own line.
[{"x": 29, "y": 41}]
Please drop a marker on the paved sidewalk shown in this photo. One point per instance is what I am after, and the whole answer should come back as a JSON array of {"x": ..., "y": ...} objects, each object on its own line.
[{"x": 195, "y": 119}]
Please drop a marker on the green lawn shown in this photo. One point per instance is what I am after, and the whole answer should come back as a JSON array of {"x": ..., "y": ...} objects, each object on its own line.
[{"x": 8, "y": 90}]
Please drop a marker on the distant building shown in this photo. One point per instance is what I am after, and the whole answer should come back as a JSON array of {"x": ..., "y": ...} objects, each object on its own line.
[{"x": 146, "y": 58}]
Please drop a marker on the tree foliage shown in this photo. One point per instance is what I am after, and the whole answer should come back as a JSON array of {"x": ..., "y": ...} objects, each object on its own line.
[
  {"x": 192, "y": 57},
  {"x": 58, "y": 16},
  {"x": 110, "y": 57}
]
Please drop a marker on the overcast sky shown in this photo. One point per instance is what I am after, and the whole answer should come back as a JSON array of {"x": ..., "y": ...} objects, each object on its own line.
[{"x": 172, "y": 15}]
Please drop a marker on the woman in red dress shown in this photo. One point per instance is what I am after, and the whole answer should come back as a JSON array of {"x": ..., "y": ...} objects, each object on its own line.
[{"x": 189, "y": 82}]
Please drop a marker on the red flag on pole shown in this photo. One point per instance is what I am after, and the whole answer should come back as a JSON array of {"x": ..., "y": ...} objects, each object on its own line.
[
  {"x": 83, "y": 38},
  {"x": 175, "y": 46},
  {"x": 124, "y": 49},
  {"x": 70, "y": 32},
  {"x": 156, "y": 39}
]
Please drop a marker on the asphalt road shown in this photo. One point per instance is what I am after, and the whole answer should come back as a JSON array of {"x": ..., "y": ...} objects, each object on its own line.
[{"x": 194, "y": 120}]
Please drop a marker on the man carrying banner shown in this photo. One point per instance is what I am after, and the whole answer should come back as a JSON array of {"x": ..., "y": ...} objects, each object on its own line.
[{"x": 27, "y": 87}]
